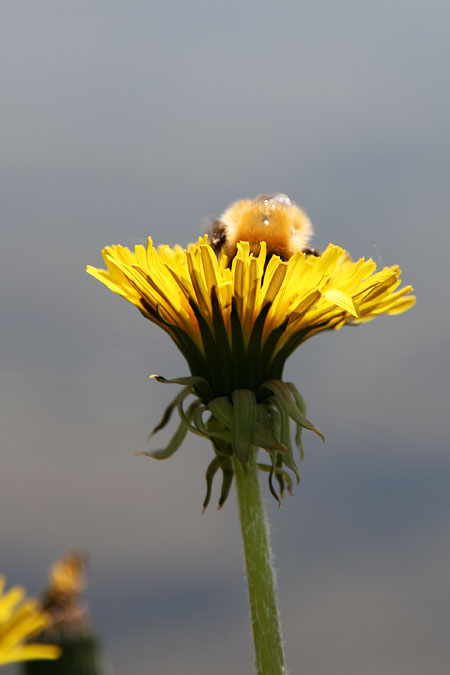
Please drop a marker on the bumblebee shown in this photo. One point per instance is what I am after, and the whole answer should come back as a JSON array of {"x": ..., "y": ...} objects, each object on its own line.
[{"x": 271, "y": 218}]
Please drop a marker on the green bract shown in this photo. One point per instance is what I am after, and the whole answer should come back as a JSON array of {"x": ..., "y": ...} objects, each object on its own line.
[{"x": 259, "y": 419}]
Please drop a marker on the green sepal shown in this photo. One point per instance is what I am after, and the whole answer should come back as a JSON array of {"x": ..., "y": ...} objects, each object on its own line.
[
  {"x": 264, "y": 438},
  {"x": 210, "y": 473},
  {"x": 224, "y": 464},
  {"x": 235, "y": 427},
  {"x": 263, "y": 415},
  {"x": 285, "y": 435},
  {"x": 302, "y": 406},
  {"x": 273, "y": 492},
  {"x": 181, "y": 431},
  {"x": 279, "y": 476},
  {"x": 191, "y": 380},
  {"x": 222, "y": 409},
  {"x": 280, "y": 425},
  {"x": 244, "y": 423},
  {"x": 172, "y": 447},
  {"x": 169, "y": 410},
  {"x": 187, "y": 416},
  {"x": 298, "y": 440},
  {"x": 282, "y": 477},
  {"x": 222, "y": 434},
  {"x": 275, "y": 421},
  {"x": 267, "y": 468},
  {"x": 264, "y": 426},
  {"x": 198, "y": 419},
  {"x": 222, "y": 447},
  {"x": 284, "y": 398},
  {"x": 300, "y": 401},
  {"x": 228, "y": 473}
]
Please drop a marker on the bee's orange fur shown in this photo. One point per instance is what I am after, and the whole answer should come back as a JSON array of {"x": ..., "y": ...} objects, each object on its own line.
[{"x": 281, "y": 224}]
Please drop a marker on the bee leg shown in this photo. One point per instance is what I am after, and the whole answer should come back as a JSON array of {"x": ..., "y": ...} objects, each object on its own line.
[
  {"x": 217, "y": 235},
  {"x": 312, "y": 251}
]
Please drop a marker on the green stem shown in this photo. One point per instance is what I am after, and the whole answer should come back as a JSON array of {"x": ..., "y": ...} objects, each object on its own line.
[{"x": 260, "y": 575}]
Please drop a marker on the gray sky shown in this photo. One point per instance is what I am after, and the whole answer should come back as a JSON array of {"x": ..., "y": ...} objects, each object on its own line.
[{"x": 121, "y": 120}]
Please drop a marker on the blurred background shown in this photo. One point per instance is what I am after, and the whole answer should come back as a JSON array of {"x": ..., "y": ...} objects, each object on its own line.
[{"x": 121, "y": 120}]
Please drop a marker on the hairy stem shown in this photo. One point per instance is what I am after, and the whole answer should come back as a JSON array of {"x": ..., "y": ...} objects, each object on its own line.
[{"x": 260, "y": 575}]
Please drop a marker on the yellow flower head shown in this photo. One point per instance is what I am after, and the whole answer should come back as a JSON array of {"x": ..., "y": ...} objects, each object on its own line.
[
  {"x": 237, "y": 326},
  {"x": 238, "y": 318},
  {"x": 20, "y": 619}
]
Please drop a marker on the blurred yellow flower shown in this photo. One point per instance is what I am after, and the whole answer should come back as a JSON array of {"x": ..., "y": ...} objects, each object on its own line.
[{"x": 20, "y": 619}]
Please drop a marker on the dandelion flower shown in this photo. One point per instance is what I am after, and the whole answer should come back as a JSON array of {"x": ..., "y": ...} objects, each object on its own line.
[
  {"x": 236, "y": 324},
  {"x": 236, "y": 317},
  {"x": 20, "y": 619}
]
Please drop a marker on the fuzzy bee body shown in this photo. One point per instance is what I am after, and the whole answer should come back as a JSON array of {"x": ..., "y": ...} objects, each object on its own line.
[{"x": 271, "y": 218}]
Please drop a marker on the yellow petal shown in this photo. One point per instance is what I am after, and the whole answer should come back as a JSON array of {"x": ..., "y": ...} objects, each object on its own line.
[{"x": 342, "y": 300}]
